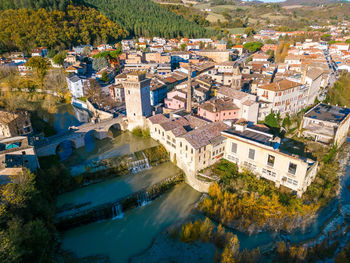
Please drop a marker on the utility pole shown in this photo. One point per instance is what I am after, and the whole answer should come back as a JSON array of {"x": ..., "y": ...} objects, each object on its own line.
[{"x": 189, "y": 89}]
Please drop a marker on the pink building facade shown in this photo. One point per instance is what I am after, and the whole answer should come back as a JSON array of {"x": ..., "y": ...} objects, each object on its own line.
[
  {"x": 219, "y": 110},
  {"x": 175, "y": 100}
]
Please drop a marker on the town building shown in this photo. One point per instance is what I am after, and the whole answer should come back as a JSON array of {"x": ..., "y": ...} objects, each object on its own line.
[
  {"x": 247, "y": 103},
  {"x": 255, "y": 149},
  {"x": 75, "y": 86},
  {"x": 116, "y": 92},
  {"x": 176, "y": 99},
  {"x": 15, "y": 152},
  {"x": 327, "y": 124},
  {"x": 283, "y": 96},
  {"x": 158, "y": 91},
  {"x": 217, "y": 56},
  {"x": 40, "y": 52},
  {"x": 193, "y": 143},
  {"x": 218, "y": 110},
  {"x": 14, "y": 124},
  {"x": 137, "y": 98}
]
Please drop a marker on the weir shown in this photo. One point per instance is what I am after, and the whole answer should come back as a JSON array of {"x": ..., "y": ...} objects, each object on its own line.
[
  {"x": 117, "y": 211},
  {"x": 138, "y": 165},
  {"x": 116, "y": 208},
  {"x": 142, "y": 199}
]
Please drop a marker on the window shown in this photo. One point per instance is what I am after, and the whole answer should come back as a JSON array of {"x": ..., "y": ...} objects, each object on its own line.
[
  {"x": 250, "y": 166},
  {"x": 251, "y": 154},
  {"x": 191, "y": 150},
  {"x": 292, "y": 168},
  {"x": 233, "y": 159},
  {"x": 129, "y": 92},
  {"x": 268, "y": 172},
  {"x": 234, "y": 147},
  {"x": 180, "y": 144},
  {"x": 271, "y": 160}
]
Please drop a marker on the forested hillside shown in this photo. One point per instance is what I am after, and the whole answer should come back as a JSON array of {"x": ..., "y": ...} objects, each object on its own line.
[
  {"x": 145, "y": 18},
  {"x": 24, "y": 29},
  {"x": 34, "y": 4},
  {"x": 25, "y": 24}
]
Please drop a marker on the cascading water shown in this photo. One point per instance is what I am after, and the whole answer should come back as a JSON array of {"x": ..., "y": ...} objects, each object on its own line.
[
  {"x": 139, "y": 165},
  {"x": 142, "y": 199},
  {"x": 117, "y": 211}
]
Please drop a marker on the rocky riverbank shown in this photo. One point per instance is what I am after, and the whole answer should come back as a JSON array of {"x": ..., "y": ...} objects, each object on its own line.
[{"x": 165, "y": 248}]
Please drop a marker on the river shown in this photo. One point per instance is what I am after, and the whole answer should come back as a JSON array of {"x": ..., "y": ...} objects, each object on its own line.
[
  {"x": 116, "y": 188},
  {"x": 120, "y": 239}
]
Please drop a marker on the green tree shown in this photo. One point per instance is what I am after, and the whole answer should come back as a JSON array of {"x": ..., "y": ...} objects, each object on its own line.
[
  {"x": 326, "y": 37},
  {"x": 25, "y": 243},
  {"x": 249, "y": 31},
  {"x": 105, "y": 77},
  {"x": 227, "y": 256},
  {"x": 273, "y": 120},
  {"x": 40, "y": 64},
  {"x": 99, "y": 63},
  {"x": 19, "y": 192},
  {"x": 253, "y": 46},
  {"x": 59, "y": 58},
  {"x": 183, "y": 46}
]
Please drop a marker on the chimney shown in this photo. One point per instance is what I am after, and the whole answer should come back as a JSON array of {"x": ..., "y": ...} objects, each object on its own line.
[
  {"x": 303, "y": 77},
  {"x": 189, "y": 89}
]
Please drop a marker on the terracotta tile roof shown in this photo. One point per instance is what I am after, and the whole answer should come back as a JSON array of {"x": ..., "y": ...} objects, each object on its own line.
[
  {"x": 7, "y": 117},
  {"x": 248, "y": 102},
  {"x": 261, "y": 56},
  {"x": 178, "y": 131},
  {"x": 231, "y": 93},
  {"x": 174, "y": 123},
  {"x": 159, "y": 118},
  {"x": 202, "y": 136},
  {"x": 219, "y": 105},
  {"x": 179, "y": 98},
  {"x": 283, "y": 84},
  {"x": 196, "y": 122}
]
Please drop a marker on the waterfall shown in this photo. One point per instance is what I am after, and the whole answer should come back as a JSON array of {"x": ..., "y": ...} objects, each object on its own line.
[
  {"x": 139, "y": 165},
  {"x": 142, "y": 199},
  {"x": 117, "y": 211},
  {"x": 146, "y": 163}
]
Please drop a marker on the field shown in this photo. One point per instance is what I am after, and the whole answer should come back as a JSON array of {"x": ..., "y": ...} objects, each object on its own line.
[{"x": 214, "y": 17}]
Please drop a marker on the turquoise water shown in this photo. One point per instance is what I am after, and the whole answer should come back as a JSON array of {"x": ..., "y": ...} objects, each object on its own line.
[
  {"x": 122, "y": 238},
  {"x": 116, "y": 188}
]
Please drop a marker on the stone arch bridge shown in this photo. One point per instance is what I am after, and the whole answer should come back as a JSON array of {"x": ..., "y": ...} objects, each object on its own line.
[{"x": 76, "y": 135}]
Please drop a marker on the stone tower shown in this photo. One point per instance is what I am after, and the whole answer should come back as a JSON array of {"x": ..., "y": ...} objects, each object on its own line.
[
  {"x": 137, "y": 98},
  {"x": 236, "y": 78}
]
